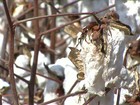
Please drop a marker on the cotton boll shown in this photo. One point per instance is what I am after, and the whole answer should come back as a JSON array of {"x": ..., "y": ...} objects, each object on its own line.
[
  {"x": 50, "y": 89},
  {"x": 106, "y": 99},
  {"x": 42, "y": 59},
  {"x": 57, "y": 69},
  {"x": 50, "y": 96},
  {"x": 52, "y": 86},
  {"x": 3, "y": 84},
  {"x": 21, "y": 61},
  {"x": 70, "y": 77},
  {"x": 64, "y": 62},
  {"x": 117, "y": 43}
]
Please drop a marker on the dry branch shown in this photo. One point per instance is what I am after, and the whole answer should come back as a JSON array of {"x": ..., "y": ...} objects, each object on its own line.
[{"x": 11, "y": 55}]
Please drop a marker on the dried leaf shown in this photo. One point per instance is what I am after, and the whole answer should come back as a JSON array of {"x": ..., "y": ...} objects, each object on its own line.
[
  {"x": 136, "y": 81},
  {"x": 72, "y": 30},
  {"x": 27, "y": 52},
  {"x": 76, "y": 59}
]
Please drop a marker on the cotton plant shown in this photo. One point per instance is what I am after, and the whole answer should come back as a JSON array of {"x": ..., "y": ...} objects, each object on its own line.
[
  {"x": 51, "y": 87},
  {"x": 22, "y": 61},
  {"x": 102, "y": 58}
]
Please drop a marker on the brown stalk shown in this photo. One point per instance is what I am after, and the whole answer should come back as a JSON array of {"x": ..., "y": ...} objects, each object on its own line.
[
  {"x": 69, "y": 4},
  {"x": 57, "y": 28},
  {"x": 53, "y": 33},
  {"x": 53, "y": 15},
  {"x": 11, "y": 55},
  {"x": 35, "y": 59},
  {"x": 62, "y": 97},
  {"x": 65, "y": 14},
  {"x": 53, "y": 79},
  {"x": 0, "y": 99}
]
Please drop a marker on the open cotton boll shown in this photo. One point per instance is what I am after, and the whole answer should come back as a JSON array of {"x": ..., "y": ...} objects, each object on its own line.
[
  {"x": 103, "y": 70},
  {"x": 117, "y": 42},
  {"x": 3, "y": 84},
  {"x": 70, "y": 77},
  {"x": 42, "y": 59},
  {"x": 50, "y": 91},
  {"x": 21, "y": 61},
  {"x": 49, "y": 96},
  {"x": 52, "y": 86},
  {"x": 57, "y": 69},
  {"x": 107, "y": 99}
]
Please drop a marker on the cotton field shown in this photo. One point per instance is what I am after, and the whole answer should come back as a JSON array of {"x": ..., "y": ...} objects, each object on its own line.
[{"x": 69, "y": 52}]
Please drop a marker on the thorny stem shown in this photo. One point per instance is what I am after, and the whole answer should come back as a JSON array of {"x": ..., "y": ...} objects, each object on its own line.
[
  {"x": 62, "y": 97},
  {"x": 11, "y": 55},
  {"x": 36, "y": 49}
]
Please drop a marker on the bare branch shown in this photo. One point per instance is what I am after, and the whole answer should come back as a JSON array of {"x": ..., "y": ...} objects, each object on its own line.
[
  {"x": 11, "y": 58},
  {"x": 66, "y": 96}
]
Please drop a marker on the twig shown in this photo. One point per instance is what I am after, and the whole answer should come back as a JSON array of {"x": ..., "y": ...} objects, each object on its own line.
[
  {"x": 11, "y": 55},
  {"x": 36, "y": 50},
  {"x": 15, "y": 74},
  {"x": 26, "y": 11},
  {"x": 118, "y": 97},
  {"x": 62, "y": 97},
  {"x": 53, "y": 15},
  {"x": 69, "y": 4},
  {"x": 65, "y": 14},
  {"x": 52, "y": 34},
  {"x": 57, "y": 28},
  {"x": 58, "y": 81},
  {"x": 89, "y": 100},
  {"x": 75, "y": 83}
]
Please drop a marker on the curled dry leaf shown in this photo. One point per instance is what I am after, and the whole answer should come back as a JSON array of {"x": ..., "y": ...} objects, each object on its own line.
[
  {"x": 76, "y": 59},
  {"x": 72, "y": 30}
]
